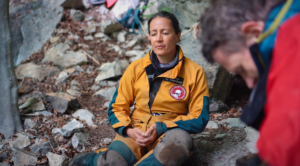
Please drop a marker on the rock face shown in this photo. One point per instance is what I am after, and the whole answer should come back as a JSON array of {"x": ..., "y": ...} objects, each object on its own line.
[
  {"x": 61, "y": 101},
  {"x": 63, "y": 58},
  {"x": 42, "y": 148},
  {"x": 29, "y": 124},
  {"x": 29, "y": 28},
  {"x": 212, "y": 125},
  {"x": 85, "y": 115},
  {"x": 111, "y": 70},
  {"x": 70, "y": 128},
  {"x": 35, "y": 71},
  {"x": 56, "y": 160},
  {"x": 21, "y": 142}
]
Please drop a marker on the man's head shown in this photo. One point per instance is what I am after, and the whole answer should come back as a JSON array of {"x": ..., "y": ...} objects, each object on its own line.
[{"x": 228, "y": 29}]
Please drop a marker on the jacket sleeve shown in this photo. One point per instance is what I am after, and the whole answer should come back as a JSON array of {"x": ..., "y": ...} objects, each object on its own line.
[
  {"x": 119, "y": 108},
  {"x": 279, "y": 142},
  {"x": 198, "y": 116}
]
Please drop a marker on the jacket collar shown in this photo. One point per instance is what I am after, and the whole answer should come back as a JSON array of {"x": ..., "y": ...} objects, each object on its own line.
[{"x": 172, "y": 73}]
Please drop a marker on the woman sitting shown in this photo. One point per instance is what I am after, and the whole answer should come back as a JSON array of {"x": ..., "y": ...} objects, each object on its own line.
[{"x": 171, "y": 99}]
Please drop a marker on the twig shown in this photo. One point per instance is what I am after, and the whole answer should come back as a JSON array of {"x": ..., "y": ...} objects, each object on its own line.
[{"x": 95, "y": 60}]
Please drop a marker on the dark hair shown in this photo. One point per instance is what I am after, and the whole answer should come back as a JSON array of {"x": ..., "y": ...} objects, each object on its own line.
[
  {"x": 168, "y": 15},
  {"x": 221, "y": 24}
]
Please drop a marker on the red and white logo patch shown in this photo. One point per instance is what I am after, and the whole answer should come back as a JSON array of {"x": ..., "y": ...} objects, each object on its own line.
[{"x": 178, "y": 92}]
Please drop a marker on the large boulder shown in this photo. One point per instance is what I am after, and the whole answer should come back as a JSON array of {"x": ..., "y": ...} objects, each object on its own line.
[
  {"x": 35, "y": 71},
  {"x": 62, "y": 101},
  {"x": 32, "y": 24},
  {"x": 111, "y": 70},
  {"x": 63, "y": 58}
]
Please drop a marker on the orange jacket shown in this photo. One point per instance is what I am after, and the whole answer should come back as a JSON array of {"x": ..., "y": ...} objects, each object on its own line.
[{"x": 183, "y": 98}]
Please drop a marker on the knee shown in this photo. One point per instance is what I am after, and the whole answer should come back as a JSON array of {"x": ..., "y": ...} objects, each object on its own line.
[{"x": 174, "y": 147}]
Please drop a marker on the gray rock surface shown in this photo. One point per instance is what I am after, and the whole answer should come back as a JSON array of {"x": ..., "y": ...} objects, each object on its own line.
[
  {"x": 78, "y": 139},
  {"x": 217, "y": 106},
  {"x": 107, "y": 93},
  {"x": 56, "y": 160},
  {"x": 212, "y": 125},
  {"x": 4, "y": 164},
  {"x": 107, "y": 141},
  {"x": 95, "y": 87},
  {"x": 135, "y": 55},
  {"x": 42, "y": 148},
  {"x": 61, "y": 101},
  {"x": 85, "y": 115},
  {"x": 29, "y": 124},
  {"x": 29, "y": 28},
  {"x": 73, "y": 92},
  {"x": 88, "y": 37},
  {"x": 62, "y": 77},
  {"x": 35, "y": 71},
  {"x": 76, "y": 15},
  {"x": 90, "y": 70},
  {"x": 252, "y": 137},
  {"x": 110, "y": 26},
  {"x": 63, "y": 58},
  {"x": 45, "y": 113},
  {"x": 22, "y": 157},
  {"x": 21, "y": 142},
  {"x": 111, "y": 70},
  {"x": 220, "y": 136},
  {"x": 28, "y": 103},
  {"x": 234, "y": 122},
  {"x": 70, "y": 128}
]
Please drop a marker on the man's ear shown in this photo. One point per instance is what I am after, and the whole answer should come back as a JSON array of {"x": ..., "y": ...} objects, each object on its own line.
[{"x": 253, "y": 28}]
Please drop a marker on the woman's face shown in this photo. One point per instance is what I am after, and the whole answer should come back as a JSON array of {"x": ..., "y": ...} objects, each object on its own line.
[{"x": 163, "y": 37}]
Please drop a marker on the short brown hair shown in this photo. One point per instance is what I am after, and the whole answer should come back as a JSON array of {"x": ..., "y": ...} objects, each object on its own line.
[{"x": 221, "y": 24}]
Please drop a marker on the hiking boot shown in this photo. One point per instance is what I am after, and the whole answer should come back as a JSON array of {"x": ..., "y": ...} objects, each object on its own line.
[{"x": 84, "y": 159}]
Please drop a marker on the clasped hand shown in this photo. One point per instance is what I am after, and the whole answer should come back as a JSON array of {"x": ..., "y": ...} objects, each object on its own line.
[{"x": 141, "y": 138}]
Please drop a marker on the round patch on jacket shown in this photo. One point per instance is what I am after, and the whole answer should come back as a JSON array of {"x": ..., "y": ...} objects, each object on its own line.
[{"x": 177, "y": 92}]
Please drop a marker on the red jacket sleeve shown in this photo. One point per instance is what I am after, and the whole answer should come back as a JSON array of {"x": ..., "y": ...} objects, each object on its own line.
[{"x": 279, "y": 142}]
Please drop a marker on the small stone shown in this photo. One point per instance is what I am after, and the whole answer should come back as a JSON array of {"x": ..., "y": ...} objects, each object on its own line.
[
  {"x": 62, "y": 101},
  {"x": 85, "y": 115},
  {"x": 106, "y": 104},
  {"x": 3, "y": 156},
  {"x": 90, "y": 70},
  {"x": 132, "y": 42},
  {"x": 72, "y": 36},
  {"x": 121, "y": 37},
  {"x": 110, "y": 26},
  {"x": 70, "y": 128},
  {"x": 28, "y": 103},
  {"x": 21, "y": 142},
  {"x": 107, "y": 141},
  {"x": 95, "y": 87},
  {"x": 23, "y": 157},
  {"x": 107, "y": 93},
  {"x": 234, "y": 122},
  {"x": 112, "y": 83},
  {"x": 212, "y": 125},
  {"x": 78, "y": 139},
  {"x": 78, "y": 68},
  {"x": 104, "y": 121},
  {"x": 76, "y": 15},
  {"x": 88, "y": 38},
  {"x": 25, "y": 89},
  {"x": 91, "y": 29},
  {"x": 103, "y": 83},
  {"x": 63, "y": 76},
  {"x": 54, "y": 39},
  {"x": 199, "y": 136},
  {"x": 110, "y": 70},
  {"x": 39, "y": 106},
  {"x": 220, "y": 136},
  {"x": 217, "y": 106},
  {"x": 73, "y": 92},
  {"x": 68, "y": 42},
  {"x": 74, "y": 83},
  {"x": 29, "y": 124},
  {"x": 83, "y": 45},
  {"x": 45, "y": 113},
  {"x": 89, "y": 18},
  {"x": 138, "y": 47},
  {"x": 56, "y": 160},
  {"x": 42, "y": 148},
  {"x": 100, "y": 35}
]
